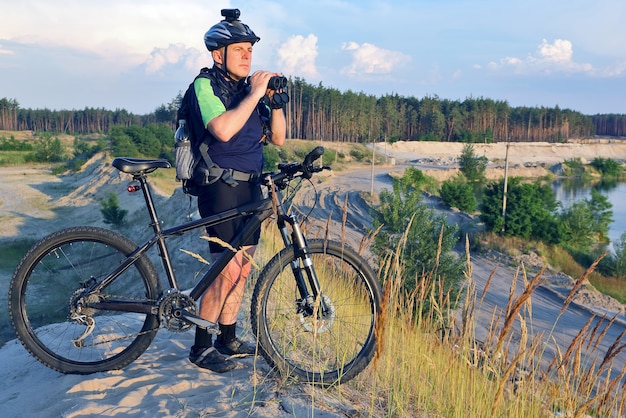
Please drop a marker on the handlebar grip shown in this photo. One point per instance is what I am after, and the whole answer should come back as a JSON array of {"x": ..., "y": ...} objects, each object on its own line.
[
  {"x": 307, "y": 164},
  {"x": 316, "y": 153}
]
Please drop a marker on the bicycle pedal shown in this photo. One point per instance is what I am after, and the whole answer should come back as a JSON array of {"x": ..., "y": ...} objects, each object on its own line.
[{"x": 211, "y": 327}]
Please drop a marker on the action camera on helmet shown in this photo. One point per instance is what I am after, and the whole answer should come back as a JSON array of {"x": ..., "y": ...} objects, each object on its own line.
[{"x": 231, "y": 14}]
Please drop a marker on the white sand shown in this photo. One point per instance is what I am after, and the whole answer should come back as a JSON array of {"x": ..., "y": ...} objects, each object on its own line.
[
  {"x": 532, "y": 159},
  {"x": 518, "y": 152},
  {"x": 161, "y": 383}
]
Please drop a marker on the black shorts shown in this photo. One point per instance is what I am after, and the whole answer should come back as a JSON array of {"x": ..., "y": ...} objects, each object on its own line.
[{"x": 218, "y": 197}]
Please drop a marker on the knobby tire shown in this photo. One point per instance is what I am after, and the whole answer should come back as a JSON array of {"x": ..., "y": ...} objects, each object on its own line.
[
  {"x": 50, "y": 274},
  {"x": 325, "y": 350}
]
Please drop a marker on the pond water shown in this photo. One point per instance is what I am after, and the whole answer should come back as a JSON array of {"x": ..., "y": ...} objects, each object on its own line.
[{"x": 569, "y": 191}]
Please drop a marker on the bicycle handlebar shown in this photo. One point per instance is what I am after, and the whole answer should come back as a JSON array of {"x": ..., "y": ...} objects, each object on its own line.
[{"x": 288, "y": 171}]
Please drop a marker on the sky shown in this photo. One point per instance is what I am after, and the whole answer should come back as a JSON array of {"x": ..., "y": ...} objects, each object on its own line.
[{"x": 138, "y": 55}]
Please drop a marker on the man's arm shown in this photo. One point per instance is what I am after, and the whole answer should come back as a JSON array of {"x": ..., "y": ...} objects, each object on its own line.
[
  {"x": 278, "y": 127},
  {"x": 226, "y": 125}
]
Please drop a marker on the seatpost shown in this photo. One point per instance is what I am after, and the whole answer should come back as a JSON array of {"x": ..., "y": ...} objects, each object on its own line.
[{"x": 147, "y": 195}]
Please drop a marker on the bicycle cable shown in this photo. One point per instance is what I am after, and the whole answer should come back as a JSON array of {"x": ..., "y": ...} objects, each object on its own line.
[{"x": 293, "y": 191}]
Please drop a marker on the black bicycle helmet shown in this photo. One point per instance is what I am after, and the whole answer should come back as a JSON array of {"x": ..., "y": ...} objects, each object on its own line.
[{"x": 229, "y": 31}]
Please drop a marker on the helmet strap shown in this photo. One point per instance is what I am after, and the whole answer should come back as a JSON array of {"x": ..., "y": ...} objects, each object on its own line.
[
  {"x": 224, "y": 72},
  {"x": 224, "y": 67},
  {"x": 226, "y": 61}
]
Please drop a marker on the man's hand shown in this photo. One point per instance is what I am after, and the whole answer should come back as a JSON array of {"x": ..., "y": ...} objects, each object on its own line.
[{"x": 258, "y": 83}]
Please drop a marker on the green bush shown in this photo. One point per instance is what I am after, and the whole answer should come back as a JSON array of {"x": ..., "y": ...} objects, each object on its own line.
[
  {"x": 271, "y": 158},
  {"x": 400, "y": 215},
  {"x": 607, "y": 166},
  {"x": 13, "y": 144},
  {"x": 458, "y": 194},
  {"x": 530, "y": 210},
  {"x": 83, "y": 151},
  {"x": 111, "y": 211},
  {"x": 360, "y": 153},
  {"x": 47, "y": 149},
  {"x": 574, "y": 167}
]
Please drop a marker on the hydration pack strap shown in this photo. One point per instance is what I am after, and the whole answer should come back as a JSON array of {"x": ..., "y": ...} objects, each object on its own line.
[{"x": 228, "y": 175}]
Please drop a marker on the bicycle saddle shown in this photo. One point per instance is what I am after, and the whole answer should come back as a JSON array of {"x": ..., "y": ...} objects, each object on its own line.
[{"x": 137, "y": 165}]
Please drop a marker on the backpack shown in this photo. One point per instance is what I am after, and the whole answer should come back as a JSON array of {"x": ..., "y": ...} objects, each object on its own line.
[{"x": 189, "y": 155}]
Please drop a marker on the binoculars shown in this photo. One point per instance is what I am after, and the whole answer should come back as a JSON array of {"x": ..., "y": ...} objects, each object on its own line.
[{"x": 277, "y": 82}]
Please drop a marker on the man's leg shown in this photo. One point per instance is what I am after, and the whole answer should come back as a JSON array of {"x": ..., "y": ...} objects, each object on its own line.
[{"x": 221, "y": 302}]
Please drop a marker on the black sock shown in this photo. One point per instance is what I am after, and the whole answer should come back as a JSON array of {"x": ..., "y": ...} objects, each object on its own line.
[
  {"x": 227, "y": 333},
  {"x": 203, "y": 338}
]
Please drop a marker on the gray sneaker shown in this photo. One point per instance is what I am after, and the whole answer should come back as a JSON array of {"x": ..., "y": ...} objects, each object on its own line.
[
  {"x": 235, "y": 347},
  {"x": 209, "y": 358}
]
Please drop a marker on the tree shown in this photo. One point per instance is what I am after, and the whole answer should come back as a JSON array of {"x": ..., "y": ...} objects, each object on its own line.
[
  {"x": 167, "y": 113},
  {"x": 602, "y": 214},
  {"x": 577, "y": 226},
  {"x": 121, "y": 143},
  {"x": 111, "y": 211},
  {"x": 472, "y": 166},
  {"x": 400, "y": 212},
  {"x": 458, "y": 194},
  {"x": 587, "y": 222},
  {"x": 620, "y": 256},
  {"x": 530, "y": 210}
]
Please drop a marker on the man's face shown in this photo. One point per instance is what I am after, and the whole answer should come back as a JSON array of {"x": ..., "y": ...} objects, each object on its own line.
[{"x": 239, "y": 59}]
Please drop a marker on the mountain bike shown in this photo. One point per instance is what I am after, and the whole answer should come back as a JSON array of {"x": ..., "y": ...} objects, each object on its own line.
[{"x": 87, "y": 299}]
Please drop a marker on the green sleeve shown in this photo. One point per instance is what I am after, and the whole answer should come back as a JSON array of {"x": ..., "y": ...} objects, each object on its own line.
[{"x": 210, "y": 105}]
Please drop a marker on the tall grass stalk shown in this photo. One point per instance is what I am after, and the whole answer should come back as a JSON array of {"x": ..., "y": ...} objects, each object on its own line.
[
  {"x": 429, "y": 362},
  {"x": 422, "y": 371}
]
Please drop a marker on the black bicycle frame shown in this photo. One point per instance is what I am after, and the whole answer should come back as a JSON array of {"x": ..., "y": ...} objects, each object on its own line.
[{"x": 256, "y": 212}]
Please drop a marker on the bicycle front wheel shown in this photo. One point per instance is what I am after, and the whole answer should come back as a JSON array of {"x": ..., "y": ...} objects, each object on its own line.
[
  {"x": 322, "y": 348},
  {"x": 48, "y": 284}
]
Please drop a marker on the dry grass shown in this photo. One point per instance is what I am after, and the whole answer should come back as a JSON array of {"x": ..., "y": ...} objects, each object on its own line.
[
  {"x": 429, "y": 363},
  {"x": 424, "y": 372}
]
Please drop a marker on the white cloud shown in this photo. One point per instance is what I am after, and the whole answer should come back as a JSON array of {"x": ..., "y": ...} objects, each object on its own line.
[
  {"x": 556, "y": 57},
  {"x": 297, "y": 56},
  {"x": 174, "y": 54},
  {"x": 560, "y": 51},
  {"x": 370, "y": 59},
  {"x": 135, "y": 26}
]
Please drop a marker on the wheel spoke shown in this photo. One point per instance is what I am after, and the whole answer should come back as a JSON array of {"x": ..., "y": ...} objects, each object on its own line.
[
  {"x": 321, "y": 348},
  {"x": 50, "y": 305}
]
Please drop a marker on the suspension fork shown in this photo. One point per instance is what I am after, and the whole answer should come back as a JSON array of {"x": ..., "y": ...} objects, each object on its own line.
[{"x": 302, "y": 263}]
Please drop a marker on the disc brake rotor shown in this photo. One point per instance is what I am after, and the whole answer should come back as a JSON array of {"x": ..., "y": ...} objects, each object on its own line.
[{"x": 319, "y": 322}]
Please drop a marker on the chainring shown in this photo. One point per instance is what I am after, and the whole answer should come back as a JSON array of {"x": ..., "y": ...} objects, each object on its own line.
[{"x": 172, "y": 301}]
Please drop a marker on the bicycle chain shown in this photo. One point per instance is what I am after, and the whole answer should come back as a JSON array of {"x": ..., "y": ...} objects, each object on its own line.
[{"x": 126, "y": 337}]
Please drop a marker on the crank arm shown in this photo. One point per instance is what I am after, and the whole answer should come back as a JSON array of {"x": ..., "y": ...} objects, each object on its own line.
[{"x": 211, "y": 327}]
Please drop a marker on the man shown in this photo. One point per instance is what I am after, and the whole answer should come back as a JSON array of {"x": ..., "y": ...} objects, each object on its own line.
[{"x": 238, "y": 124}]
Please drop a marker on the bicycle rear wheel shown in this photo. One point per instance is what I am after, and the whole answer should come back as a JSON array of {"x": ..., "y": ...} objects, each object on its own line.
[
  {"x": 323, "y": 349},
  {"x": 51, "y": 278}
]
